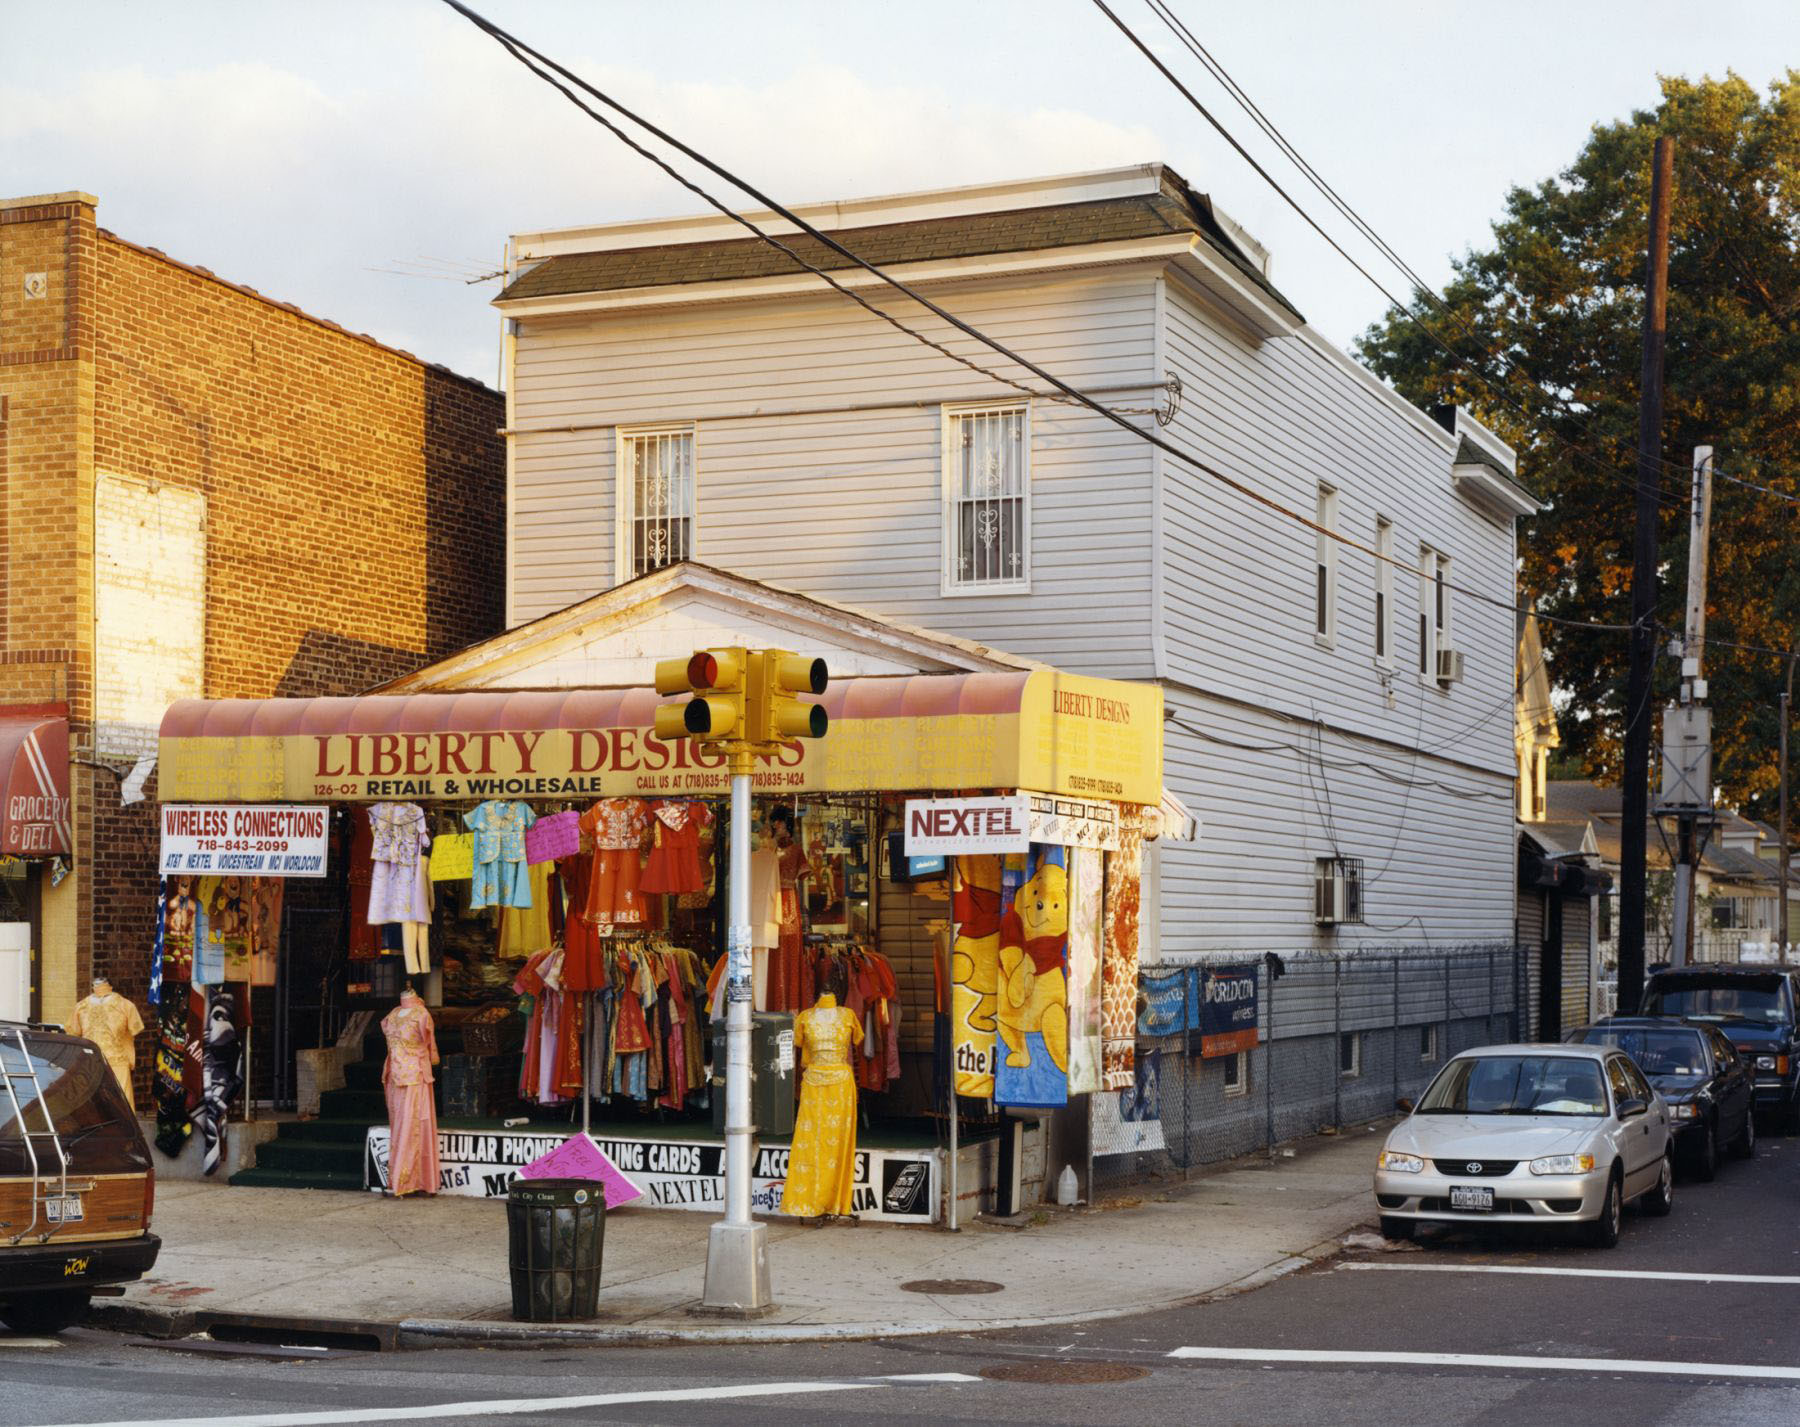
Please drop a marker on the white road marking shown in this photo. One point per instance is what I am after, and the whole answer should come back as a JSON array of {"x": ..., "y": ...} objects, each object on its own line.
[
  {"x": 493, "y": 1407},
  {"x": 928, "y": 1377},
  {"x": 1489, "y": 1360},
  {"x": 1785, "y": 1278},
  {"x": 11, "y": 1342}
]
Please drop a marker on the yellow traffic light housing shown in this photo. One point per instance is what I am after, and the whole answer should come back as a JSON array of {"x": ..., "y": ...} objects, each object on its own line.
[
  {"x": 776, "y": 715},
  {"x": 717, "y": 679}
]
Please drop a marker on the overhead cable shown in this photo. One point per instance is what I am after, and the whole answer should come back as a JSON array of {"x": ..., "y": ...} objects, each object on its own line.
[{"x": 538, "y": 64}]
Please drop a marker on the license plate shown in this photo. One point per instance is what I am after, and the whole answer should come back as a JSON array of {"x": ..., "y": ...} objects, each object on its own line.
[
  {"x": 1471, "y": 1196},
  {"x": 63, "y": 1209}
]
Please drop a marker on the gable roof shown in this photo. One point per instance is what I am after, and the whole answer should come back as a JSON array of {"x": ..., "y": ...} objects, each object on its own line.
[
  {"x": 1173, "y": 208},
  {"x": 611, "y": 639}
]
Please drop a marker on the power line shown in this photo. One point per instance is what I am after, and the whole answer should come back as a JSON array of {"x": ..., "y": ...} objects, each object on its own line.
[
  {"x": 526, "y": 54},
  {"x": 1600, "y": 463}
]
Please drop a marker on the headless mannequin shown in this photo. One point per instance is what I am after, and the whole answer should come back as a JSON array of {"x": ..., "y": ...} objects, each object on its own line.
[{"x": 112, "y": 1022}]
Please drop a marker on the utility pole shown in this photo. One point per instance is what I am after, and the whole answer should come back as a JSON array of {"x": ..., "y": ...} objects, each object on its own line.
[
  {"x": 1690, "y": 803},
  {"x": 1633, "y": 834},
  {"x": 1787, "y": 703}
]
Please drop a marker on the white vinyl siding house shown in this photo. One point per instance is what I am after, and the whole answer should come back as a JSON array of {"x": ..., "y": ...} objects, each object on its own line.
[{"x": 836, "y": 457}]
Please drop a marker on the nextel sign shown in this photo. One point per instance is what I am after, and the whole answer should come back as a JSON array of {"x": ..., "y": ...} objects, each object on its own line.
[{"x": 963, "y": 827}]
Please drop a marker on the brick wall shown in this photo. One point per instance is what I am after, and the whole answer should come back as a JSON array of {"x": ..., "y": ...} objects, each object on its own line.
[
  {"x": 46, "y": 400},
  {"x": 353, "y": 501}
]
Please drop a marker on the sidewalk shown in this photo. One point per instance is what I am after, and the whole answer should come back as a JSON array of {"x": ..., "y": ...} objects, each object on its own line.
[{"x": 431, "y": 1271}]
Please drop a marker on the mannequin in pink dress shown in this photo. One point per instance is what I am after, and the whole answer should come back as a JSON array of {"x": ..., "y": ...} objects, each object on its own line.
[{"x": 412, "y": 1109}]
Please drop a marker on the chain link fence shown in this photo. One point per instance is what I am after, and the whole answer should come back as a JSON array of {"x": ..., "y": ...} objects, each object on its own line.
[{"x": 1339, "y": 1039}]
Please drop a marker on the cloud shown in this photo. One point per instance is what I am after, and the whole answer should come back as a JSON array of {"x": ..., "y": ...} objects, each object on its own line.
[{"x": 299, "y": 183}]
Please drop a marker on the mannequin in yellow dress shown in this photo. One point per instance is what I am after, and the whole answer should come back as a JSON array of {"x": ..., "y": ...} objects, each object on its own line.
[{"x": 821, "y": 1170}]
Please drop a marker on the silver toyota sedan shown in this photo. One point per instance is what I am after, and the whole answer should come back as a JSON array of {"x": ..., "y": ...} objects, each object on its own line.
[{"x": 1540, "y": 1134}]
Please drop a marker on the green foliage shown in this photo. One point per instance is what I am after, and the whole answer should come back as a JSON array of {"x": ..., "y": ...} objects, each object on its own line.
[{"x": 1551, "y": 314}]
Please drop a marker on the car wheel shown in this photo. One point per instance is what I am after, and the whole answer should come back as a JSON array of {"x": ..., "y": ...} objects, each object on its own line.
[
  {"x": 1706, "y": 1156},
  {"x": 1660, "y": 1200},
  {"x": 45, "y": 1312},
  {"x": 1788, "y": 1122},
  {"x": 1399, "y": 1230},
  {"x": 1603, "y": 1232},
  {"x": 1744, "y": 1146}
]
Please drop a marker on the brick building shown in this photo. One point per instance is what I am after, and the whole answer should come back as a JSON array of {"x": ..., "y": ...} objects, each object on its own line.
[{"x": 203, "y": 491}]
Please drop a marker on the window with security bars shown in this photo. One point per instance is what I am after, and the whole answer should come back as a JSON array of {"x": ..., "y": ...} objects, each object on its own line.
[
  {"x": 656, "y": 499},
  {"x": 987, "y": 498}
]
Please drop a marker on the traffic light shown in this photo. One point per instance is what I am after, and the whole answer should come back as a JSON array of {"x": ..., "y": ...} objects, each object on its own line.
[
  {"x": 717, "y": 679},
  {"x": 776, "y": 715}
]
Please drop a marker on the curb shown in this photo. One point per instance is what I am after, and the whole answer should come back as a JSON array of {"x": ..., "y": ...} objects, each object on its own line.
[
  {"x": 451, "y": 1332},
  {"x": 427, "y": 1333}
]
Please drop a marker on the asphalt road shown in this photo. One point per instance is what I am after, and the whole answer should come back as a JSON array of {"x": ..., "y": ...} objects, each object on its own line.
[{"x": 1561, "y": 1345}]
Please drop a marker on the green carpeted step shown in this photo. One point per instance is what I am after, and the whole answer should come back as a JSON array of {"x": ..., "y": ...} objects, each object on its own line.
[
  {"x": 296, "y": 1179},
  {"x": 329, "y": 1131},
  {"x": 305, "y": 1155},
  {"x": 369, "y": 1106}
]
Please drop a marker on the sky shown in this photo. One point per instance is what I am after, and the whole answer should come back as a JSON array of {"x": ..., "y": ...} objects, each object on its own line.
[{"x": 363, "y": 158}]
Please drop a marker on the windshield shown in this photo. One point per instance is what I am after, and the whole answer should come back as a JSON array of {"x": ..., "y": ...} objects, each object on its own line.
[
  {"x": 1657, "y": 1052},
  {"x": 1758, "y": 1001},
  {"x": 1516, "y": 1085}
]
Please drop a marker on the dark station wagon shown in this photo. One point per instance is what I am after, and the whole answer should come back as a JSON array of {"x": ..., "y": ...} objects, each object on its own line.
[{"x": 76, "y": 1182}]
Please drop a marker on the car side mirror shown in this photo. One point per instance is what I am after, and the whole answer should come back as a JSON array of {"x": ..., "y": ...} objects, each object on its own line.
[
  {"x": 1404, "y": 1105},
  {"x": 1630, "y": 1108}
]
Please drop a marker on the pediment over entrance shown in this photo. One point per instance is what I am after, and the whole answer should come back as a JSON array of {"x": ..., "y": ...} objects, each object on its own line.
[{"x": 613, "y": 640}]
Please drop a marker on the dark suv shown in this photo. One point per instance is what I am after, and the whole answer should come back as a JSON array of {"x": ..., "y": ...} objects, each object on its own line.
[
  {"x": 76, "y": 1182},
  {"x": 1756, "y": 1008}
]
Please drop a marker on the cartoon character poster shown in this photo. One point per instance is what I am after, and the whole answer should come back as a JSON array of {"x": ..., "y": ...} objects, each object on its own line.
[
  {"x": 1032, "y": 996},
  {"x": 228, "y": 925},
  {"x": 180, "y": 911},
  {"x": 974, "y": 971}
]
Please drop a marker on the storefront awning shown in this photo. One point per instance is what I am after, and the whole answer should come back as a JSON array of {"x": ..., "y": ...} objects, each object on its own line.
[
  {"x": 34, "y": 777},
  {"x": 1042, "y": 731}
]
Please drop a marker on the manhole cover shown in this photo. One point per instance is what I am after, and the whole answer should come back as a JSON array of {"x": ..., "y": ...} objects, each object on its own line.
[
  {"x": 1065, "y": 1372},
  {"x": 951, "y": 1285}
]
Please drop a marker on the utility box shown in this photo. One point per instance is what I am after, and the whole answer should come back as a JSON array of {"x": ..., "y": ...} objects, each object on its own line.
[
  {"x": 774, "y": 1071},
  {"x": 1687, "y": 783}
]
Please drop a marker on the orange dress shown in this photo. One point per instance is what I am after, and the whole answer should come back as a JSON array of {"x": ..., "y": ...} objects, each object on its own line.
[{"x": 821, "y": 1168}]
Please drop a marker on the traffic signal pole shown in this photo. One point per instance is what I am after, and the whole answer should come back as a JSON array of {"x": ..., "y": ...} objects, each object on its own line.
[
  {"x": 737, "y": 1248},
  {"x": 744, "y": 702}
]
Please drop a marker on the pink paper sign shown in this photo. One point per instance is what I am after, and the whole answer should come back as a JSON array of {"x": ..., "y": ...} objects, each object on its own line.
[{"x": 578, "y": 1157}]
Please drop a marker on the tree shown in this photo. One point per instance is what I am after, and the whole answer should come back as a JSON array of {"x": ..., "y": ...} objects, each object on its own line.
[{"x": 1545, "y": 325}]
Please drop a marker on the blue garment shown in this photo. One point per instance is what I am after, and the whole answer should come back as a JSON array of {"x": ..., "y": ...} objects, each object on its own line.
[{"x": 500, "y": 877}]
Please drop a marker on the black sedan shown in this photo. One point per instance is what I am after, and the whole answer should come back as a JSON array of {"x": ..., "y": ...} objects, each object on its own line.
[{"x": 1709, "y": 1088}]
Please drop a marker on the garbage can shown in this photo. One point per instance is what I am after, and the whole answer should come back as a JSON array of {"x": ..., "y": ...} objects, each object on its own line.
[{"x": 555, "y": 1228}]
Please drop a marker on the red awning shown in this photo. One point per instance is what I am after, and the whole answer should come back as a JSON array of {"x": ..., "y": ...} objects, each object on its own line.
[{"x": 34, "y": 778}]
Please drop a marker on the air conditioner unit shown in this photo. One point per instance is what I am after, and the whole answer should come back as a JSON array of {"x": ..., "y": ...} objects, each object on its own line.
[
  {"x": 1449, "y": 666},
  {"x": 1337, "y": 891}
]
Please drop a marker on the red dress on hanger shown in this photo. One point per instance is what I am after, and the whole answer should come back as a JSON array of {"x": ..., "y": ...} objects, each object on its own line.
[{"x": 674, "y": 867}]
